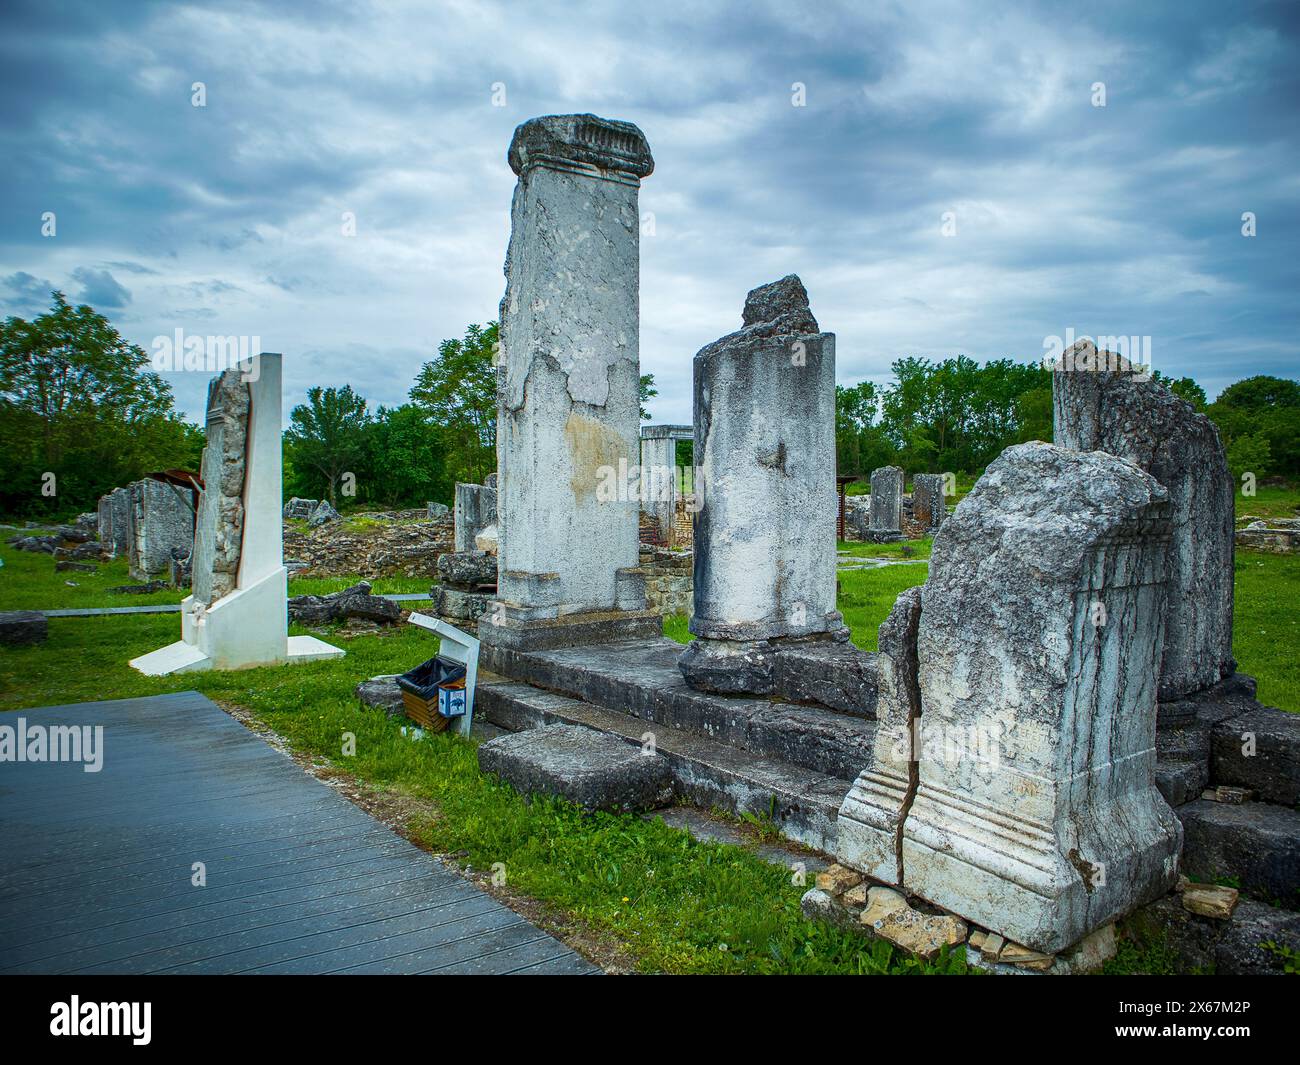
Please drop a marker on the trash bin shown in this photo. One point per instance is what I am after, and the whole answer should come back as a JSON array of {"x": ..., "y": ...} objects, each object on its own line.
[{"x": 434, "y": 692}]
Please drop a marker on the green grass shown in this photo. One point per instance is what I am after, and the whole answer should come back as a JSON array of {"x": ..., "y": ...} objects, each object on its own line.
[
  {"x": 1266, "y": 625},
  {"x": 675, "y": 904},
  {"x": 28, "y": 582},
  {"x": 1269, "y": 502},
  {"x": 857, "y": 549}
]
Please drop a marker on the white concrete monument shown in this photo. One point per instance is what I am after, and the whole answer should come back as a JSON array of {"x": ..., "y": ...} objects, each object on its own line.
[{"x": 236, "y": 616}]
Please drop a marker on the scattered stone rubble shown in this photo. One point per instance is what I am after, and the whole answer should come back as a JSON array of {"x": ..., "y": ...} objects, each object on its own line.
[
  {"x": 1278, "y": 536},
  {"x": 354, "y": 602}
]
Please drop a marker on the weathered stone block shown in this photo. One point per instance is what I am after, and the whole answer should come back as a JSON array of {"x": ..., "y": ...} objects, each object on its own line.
[
  {"x": 1041, "y": 629},
  {"x": 886, "y": 500},
  {"x": 219, "y": 528},
  {"x": 1255, "y": 844},
  {"x": 475, "y": 510},
  {"x": 1101, "y": 403},
  {"x": 1259, "y": 750},
  {"x": 593, "y": 769},
  {"x": 19, "y": 628},
  {"x": 382, "y": 693},
  {"x": 162, "y": 519},
  {"x": 928, "y": 507},
  {"x": 468, "y": 569}
]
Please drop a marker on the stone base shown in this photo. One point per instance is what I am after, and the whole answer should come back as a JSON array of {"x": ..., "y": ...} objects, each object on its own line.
[
  {"x": 569, "y": 630},
  {"x": 730, "y": 667},
  {"x": 19, "y": 627},
  {"x": 460, "y": 603},
  {"x": 182, "y": 657},
  {"x": 593, "y": 769},
  {"x": 1255, "y": 845}
]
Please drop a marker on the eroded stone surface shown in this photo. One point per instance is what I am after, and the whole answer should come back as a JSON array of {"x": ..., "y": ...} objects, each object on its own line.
[
  {"x": 765, "y": 534},
  {"x": 1040, "y": 635},
  {"x": 886, "y": 500},
  {"x": 219, "y": 529},
  {"x": 1104, "y": 404},
  {"x": 21, "y": 627},
  {"x": 928, "y": 507},
  {"x": 475, "y": 510},
  {"x": 162, "y": 519}
]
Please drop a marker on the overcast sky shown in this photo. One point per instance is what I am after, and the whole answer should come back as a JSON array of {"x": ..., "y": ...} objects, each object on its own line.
[{"x": 227, "y": 219}]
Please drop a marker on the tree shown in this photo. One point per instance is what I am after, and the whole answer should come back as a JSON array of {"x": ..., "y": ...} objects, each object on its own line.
[
  {"x": 327, "y": 438},
  {"x": 80, "y": 410},
  {"x": 457, "y": 391},
  {"x": 646, "y": 391}
]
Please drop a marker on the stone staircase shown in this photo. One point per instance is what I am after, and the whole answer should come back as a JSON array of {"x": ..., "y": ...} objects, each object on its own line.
[{"x": 790, "y": 763}]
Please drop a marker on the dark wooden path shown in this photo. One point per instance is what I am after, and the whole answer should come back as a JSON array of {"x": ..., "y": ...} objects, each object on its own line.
[{"x": 96, "y": 868}]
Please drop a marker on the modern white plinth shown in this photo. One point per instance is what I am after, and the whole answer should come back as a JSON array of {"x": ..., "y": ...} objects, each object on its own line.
[{"x": 248, "y": 627}]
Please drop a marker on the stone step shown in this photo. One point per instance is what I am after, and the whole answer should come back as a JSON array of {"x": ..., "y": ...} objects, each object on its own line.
[
  {"x": 1255, "y": 845},
  {"x": 641, "y": 679},
  {"x": 803, "y": 803}
]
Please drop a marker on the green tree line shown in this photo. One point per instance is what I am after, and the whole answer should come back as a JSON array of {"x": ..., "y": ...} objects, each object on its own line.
[{"x": 82, "y": 412}]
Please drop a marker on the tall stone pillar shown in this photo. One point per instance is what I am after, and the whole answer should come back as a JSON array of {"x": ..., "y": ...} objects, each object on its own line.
[
  {"x": 658, "y": 480},
  {"x": 765, "y": 461},
  {"x": 1041, "y": 630},
  {"x": 1102, "y": 403},
  {"x": 567, "y": 405},
  {"x": 475, "y": 508},
  {"x": 886, "y": 502}
]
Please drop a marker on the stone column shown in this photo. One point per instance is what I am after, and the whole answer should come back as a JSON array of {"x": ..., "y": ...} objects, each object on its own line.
[
  {"x": 658, "y": 483},
  {"x": 887, "y": 502},
  {"x": 765, "y": 461},
  {"x": 568, "y": 408},
  {"x": 475, "y": 509},
  {"x": 1039, "y": 643},
  {"x": 928, "y": 507},
  {"x": 1102, "y": 403}
]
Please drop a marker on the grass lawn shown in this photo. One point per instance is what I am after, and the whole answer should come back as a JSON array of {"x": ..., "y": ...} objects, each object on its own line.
[
  {"x": 1269, "y": 502},
  {"x": 28, "y": 582}
]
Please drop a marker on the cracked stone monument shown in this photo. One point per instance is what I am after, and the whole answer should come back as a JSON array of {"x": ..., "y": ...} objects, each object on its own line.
[
  {"x": 928, "y": 507},
  {"x": 236, "y": 615},
  {"x": 765, "y": 452},
  {"x": 1038, "y": 648},
  {"x": 1103, "y": 403},
  {"x": 870, "y": 824},
  {"x": 886, "y": 500},
  {"x": 114, "y": 528},
  {"x": 567, "y": 406}
]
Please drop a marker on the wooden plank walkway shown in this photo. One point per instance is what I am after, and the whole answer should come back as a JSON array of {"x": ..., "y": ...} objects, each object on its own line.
[{"x": 96, "y": 868}]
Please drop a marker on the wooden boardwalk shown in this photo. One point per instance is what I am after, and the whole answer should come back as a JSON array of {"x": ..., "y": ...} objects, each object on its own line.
[{"x": 96, "y": 868}]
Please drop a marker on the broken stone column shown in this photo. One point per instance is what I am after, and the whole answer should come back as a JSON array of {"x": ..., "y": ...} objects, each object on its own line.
[
  {"x": 870, "y": 824},
  {"x": 161, "y": 521},
  {"x": 1041, "y": 631},
  {"x": 928, "y": 507},
  {"x": 1103, "y": 403},
  {"x": 886, "y": 502},
  {"x": 219, "y": 530},
  {"x": 764, "y": 452},
  {"x": 568, "y": 408},
  {"x": 475, "y": 509}
]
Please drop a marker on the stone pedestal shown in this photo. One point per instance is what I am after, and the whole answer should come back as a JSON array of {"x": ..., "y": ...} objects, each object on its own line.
[
  {"x": 567, "y": 405},
  {"x": 928, "y": 507},
  {"x": 764, "y": 455},
  {"x": 1041, "y": 631},
  {"x": 1102, "y": 403},
  {"x": 658, "y": 476},
  {"x": 886, "y": 502},
  {"x": 246, "y": 626}
]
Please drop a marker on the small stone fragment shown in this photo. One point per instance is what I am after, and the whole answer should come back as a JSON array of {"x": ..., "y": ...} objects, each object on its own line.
[
  {"x": 855, "y": 896},
  {"x": 1210, "y": 900},
  {"x": 881, "y": 902},
  {"x": 837, "y": 879},
  {"x": 993, "y": 946},
  {"x": 923, "y": 934},
  {"x": 1025, "y": 958},
  {"x": 1232, "y": 795},
  {"x": 977, "y": 939}
]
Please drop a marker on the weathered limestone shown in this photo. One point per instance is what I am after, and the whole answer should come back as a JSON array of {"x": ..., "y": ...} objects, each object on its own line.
[
  {"x": 161, "y": 520},
  {"x": 928, "y": 507},
  {"x": 1041, "y": 630},
  {"x": 21, "y": 627},
  {"x": 115, "y": 521},
  {"x": 658, "y": 475},
  {"x": 765, "y": 535},
  {"x": 886, "y": 501},
  {"x": 219, "y": 530},
  {"x": 871, "y": 817},
  {"x": 475, "y": 510},
  {"x": 247, "y": 626},
  {"x": 1101, "y": 403},
  {"x": 567, "y": 406}
]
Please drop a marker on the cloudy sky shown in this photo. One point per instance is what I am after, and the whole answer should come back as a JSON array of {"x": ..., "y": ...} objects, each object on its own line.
[{"x": 227, "y": 219}]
